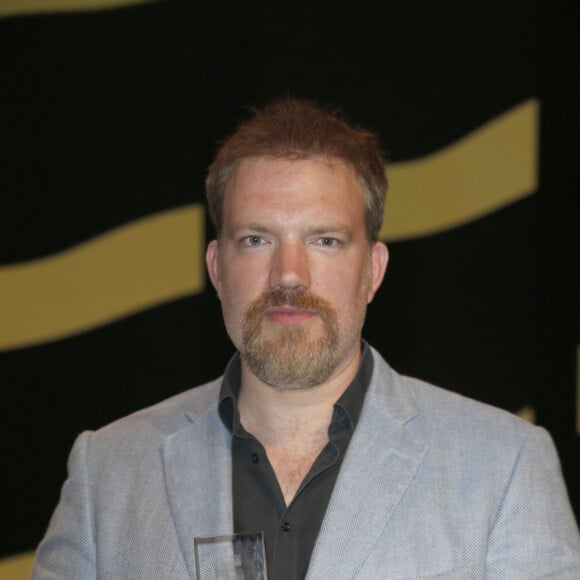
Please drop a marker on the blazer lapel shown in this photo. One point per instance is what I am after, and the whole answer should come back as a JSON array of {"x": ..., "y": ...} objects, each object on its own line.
[
  {"x": 381, "y": 461},
  {"x": 197, "y": 463}
]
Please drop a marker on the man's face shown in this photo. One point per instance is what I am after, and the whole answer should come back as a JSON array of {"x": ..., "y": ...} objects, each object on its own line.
[{"x": 294, "y": 270}]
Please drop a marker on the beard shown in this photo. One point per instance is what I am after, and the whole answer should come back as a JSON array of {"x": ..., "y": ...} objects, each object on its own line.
[{"x": 291, "y": 359}]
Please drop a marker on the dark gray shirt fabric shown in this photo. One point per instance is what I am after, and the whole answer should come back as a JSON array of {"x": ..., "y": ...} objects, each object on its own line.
[{"x": 290, "y": 532}]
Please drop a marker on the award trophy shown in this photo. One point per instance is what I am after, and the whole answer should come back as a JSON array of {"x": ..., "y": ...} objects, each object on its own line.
[{"x": 234, "y": 557}]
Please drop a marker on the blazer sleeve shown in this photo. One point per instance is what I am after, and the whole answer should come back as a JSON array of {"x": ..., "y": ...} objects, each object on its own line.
[
  {"x": 534, "y": 534},
  {"x": 68, "y": 547}
]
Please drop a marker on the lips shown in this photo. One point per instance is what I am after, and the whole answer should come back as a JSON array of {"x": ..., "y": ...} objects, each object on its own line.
[{"x": 289, "y": 314}]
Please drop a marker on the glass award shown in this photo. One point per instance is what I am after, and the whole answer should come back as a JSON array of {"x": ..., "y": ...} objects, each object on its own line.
[{"x": 234, "y": 557}]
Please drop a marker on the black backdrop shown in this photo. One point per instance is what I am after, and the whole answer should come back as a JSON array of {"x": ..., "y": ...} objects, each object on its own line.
[{"x": 108, "y": 116}]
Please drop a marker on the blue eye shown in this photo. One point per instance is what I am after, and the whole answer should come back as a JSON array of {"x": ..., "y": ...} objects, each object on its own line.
[
  {"x": 253, "y": 240},
  {"x": 328, "y": 242}
]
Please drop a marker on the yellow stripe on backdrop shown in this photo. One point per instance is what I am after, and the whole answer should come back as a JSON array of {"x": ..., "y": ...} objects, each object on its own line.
[
  {"x": 16, "y": 567},
  {"x": 160, "y": 258},
  {"x": 484, "y": 171},
  {"x": 140, "y": 265},
  {"x": 27, "y": 7}
]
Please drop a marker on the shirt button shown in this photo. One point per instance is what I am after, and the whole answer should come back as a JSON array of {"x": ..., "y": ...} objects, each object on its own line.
[
  {"x": 255, "y": 458},
  {"x": 286, "y": 527}
]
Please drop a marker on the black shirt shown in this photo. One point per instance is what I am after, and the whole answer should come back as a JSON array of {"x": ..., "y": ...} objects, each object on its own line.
[{"x": 290, "y": 531}]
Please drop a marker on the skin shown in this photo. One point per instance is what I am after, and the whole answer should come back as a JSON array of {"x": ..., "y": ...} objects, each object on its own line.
[{"x": 295, "y": 224}]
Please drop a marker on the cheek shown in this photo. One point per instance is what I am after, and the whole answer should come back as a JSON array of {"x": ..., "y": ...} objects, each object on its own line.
[
  {"x": 239, "y": 288},
  {"x": 347, "y": 291},
  {"x": 232, "y": 299},
  {"x": 354, "y": 282},
  {"x": 233, "y": 313}
]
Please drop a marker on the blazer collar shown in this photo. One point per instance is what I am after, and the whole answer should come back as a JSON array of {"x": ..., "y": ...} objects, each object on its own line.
[
  {"x": 197, "y": 463},
  {"x": 381, "y": 461}
]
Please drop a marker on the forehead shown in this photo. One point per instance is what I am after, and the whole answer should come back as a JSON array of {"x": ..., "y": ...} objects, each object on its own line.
[{"x": 317, "y": 183}]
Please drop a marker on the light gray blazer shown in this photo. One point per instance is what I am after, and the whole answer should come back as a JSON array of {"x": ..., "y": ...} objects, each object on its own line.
[{"x": 433, "y": 485}]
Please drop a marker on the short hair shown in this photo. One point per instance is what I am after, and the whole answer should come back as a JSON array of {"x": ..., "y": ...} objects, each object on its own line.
[{"x": 295, "y": 129}]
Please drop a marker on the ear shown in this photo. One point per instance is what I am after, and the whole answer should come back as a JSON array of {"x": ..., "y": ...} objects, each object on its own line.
[
  {"x": 379, "y": 261},
  {"x": 211, "y": 261}
]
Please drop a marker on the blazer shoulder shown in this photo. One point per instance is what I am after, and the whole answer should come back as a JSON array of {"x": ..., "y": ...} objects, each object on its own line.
[
  {"x": 162, "y": 419},
  {"x": 437, "y": 411}
]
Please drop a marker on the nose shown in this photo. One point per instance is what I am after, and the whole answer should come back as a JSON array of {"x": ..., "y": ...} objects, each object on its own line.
[{"x": 290, "y": 268}]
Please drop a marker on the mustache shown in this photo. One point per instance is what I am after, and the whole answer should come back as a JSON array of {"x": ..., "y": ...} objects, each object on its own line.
[{"x": 295, "y": 298}]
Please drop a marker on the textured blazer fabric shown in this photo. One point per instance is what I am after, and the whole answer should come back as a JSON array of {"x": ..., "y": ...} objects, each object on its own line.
[{"x": 433, "y": 486}]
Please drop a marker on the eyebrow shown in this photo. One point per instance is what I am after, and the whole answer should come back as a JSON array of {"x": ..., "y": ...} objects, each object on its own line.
[
  {"x": 318, "y": 230},
  {"x": 255, "y": 227},
  {"x": 323, "y": 230},
  {"x": 332, "y": 229}
]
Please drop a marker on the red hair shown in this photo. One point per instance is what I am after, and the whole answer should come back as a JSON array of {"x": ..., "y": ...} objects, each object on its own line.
[{"x": 296, "y": 130}]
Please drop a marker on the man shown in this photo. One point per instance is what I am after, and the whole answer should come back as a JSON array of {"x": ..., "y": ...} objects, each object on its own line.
[{"x": 349, "y": 469}]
